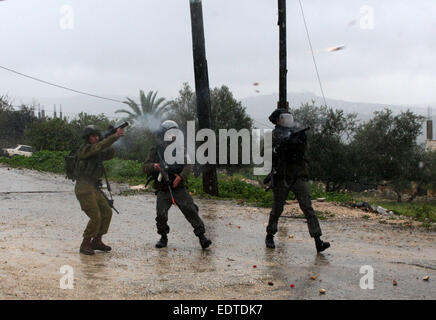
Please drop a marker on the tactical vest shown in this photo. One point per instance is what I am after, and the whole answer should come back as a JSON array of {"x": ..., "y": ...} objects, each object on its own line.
[
  {"x": 289, "y": 161},
  {"x": 91, "y": 168}
]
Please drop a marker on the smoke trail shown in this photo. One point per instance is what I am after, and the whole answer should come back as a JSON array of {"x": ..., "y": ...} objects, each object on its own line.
[
  {"x": 139, "y": 136},
  {"x": 146, "y": 122}
]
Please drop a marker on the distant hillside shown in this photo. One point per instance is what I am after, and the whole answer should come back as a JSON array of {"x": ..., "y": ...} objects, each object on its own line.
[{"x": 260, "y": 107}]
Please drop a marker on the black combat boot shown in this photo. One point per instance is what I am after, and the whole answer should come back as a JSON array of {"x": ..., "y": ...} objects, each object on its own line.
[
  {"x": 86, "y": 247},
  {"x": 321, "y": 245},
  {"x": 204, "y": 242},
  {"x": 97, "y": 244},
  {"x": 269, "y": 241},
  {"x": 162, "y": 243}
]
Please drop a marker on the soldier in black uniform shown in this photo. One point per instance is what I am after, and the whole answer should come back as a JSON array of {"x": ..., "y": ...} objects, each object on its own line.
[
  {"x": 290, "y": 173},
  {"x": 179, "y": 195}
]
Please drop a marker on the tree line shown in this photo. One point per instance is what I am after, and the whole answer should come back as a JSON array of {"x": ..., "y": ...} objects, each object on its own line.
[
  {"x": 342, "y": 152},
  {"x": 346, "y": 154}
]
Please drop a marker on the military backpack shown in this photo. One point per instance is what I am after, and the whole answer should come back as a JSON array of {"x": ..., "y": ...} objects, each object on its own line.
[{"x": 72, "y": 165}]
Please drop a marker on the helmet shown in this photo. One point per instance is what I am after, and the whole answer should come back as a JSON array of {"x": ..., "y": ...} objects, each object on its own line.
[
  {"x": 165, "y": 126},
  {"x": 89, "y": 130},
  {"x": 168, "y": 124}
]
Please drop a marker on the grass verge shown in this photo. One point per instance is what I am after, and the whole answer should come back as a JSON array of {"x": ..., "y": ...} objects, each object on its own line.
[{"x": 129, "y": 171}]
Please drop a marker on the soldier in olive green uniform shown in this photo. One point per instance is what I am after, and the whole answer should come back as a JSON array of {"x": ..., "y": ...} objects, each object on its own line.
[
  {"x": 290, "y": 174},
  {"x": 178, "y": 176},
  {"x": 90, "y": 170}
]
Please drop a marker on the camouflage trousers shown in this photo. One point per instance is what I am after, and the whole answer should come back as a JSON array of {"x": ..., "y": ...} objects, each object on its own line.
[
  {"x": 185, "y": 203},
  {"x": 95, "y": 207},
  {"x": 302, "y": 193}
]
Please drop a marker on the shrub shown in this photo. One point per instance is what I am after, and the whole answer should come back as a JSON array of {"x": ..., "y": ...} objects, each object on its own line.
[{"x": 130, "y": 171}]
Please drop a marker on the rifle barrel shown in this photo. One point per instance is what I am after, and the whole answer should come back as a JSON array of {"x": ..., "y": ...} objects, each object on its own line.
[{"x": 114, "y": 130}]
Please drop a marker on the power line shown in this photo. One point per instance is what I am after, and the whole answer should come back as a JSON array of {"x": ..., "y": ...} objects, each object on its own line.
[
  {"x": 311, "y": 50},
  {"x": 77, "y": 91},
  {"x": 59, "y": 86}
]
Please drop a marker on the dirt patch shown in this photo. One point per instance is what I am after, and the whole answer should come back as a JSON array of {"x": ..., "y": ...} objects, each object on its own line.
[{"x": 337, "y": 211}]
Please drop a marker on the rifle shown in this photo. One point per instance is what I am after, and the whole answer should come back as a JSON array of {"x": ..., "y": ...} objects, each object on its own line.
[
  {"x": 111, "y": 200},
  {"x": 164, "y": 173},
  {"x": 270, "y": 178},
  {"x": 112, "y": 130},
  {"x": 289, "y": 138},
  {"x": 301, "y": 130}
]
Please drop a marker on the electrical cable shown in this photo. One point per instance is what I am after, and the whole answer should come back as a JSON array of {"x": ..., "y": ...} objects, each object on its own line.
[{"x": 313, "y": 55}]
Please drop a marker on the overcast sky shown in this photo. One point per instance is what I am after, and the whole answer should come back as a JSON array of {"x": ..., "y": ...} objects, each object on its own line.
[{"x": 118, "y": 47}]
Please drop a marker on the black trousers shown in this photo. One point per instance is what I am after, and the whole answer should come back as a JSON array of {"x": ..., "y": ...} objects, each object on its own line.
[
  {"x": 186, "y": 204},
  {"x": 302, "y": 193}
]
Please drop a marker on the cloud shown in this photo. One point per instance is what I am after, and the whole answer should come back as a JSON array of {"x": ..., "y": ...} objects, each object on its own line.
[{"x": 119, "y": 47}]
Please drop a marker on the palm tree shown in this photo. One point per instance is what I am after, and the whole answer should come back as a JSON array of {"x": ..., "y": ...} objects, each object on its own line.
[
  {"x": 150, "y": 107},
  {"x": 145, "y": 119}
]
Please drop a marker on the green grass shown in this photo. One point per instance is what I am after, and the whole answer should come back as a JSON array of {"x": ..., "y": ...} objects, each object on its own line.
[
  {"x": 324, "y": 215},
  {"x": 316, "y": 191},
  {"x": 48, "y": 161},
  {"x": 423, "y": 211},
  {"x": 129, "y": 171},
  {"x": 53, "y": 161},
  {"x": 234, "y": 188}
]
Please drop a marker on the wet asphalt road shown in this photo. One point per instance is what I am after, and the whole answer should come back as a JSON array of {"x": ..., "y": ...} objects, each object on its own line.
[{"x": 41, "y": 232}]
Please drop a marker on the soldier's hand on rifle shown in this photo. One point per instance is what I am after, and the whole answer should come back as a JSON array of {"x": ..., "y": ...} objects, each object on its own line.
[
  {"x": 176, "y": 181},
  {"x": 120, "y": 132},
  {"x": 156, "y": 167}
]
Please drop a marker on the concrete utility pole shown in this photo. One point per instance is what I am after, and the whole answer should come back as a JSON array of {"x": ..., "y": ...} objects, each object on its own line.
[
  {"x": 283, "y": 99},
  {"x": 210, "y": 179}
]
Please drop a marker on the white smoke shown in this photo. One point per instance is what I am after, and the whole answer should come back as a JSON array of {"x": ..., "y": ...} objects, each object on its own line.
[
  {"x": 140, "y": 126},
  {"x": 145, "y": 122}
]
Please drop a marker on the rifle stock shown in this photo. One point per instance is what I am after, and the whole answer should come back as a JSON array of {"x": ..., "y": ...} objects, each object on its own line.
[{"x": 109, "y": 201}]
